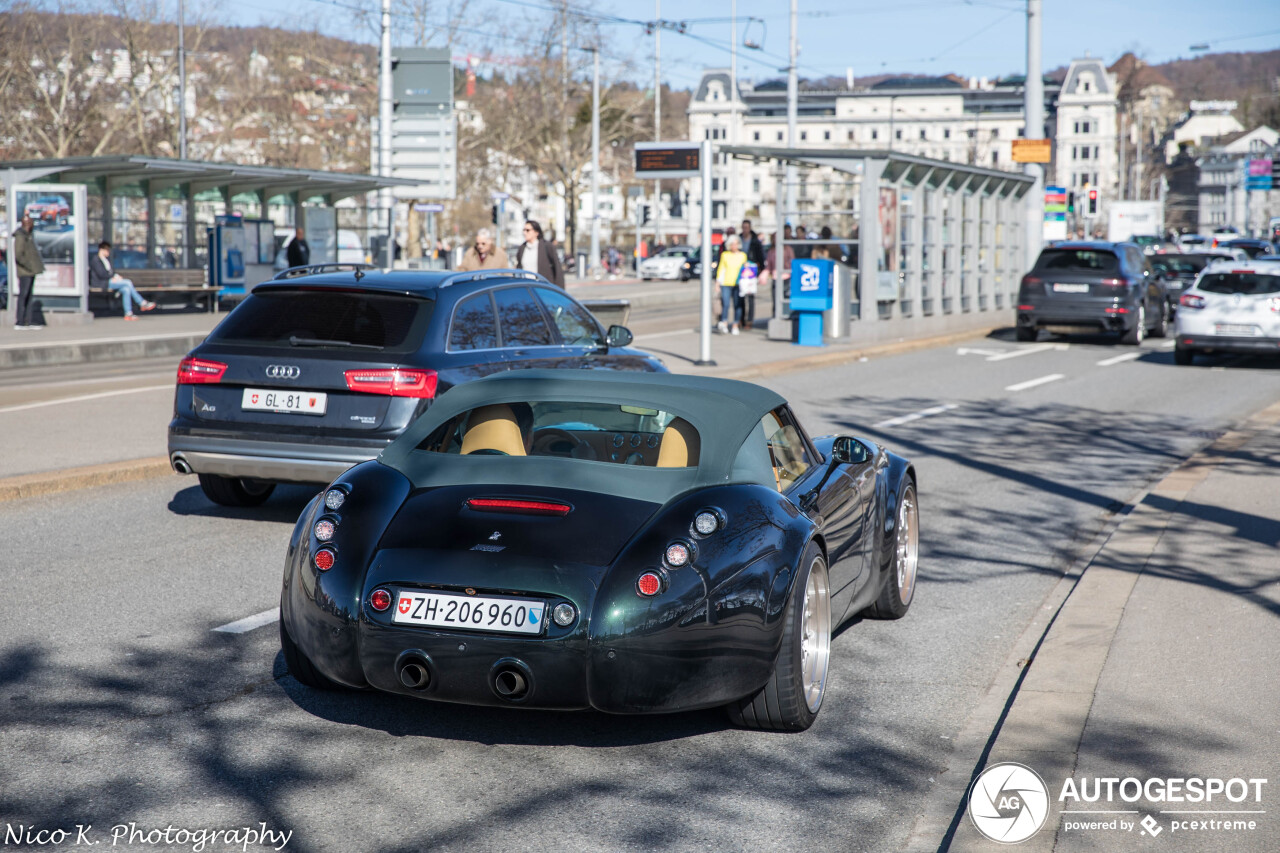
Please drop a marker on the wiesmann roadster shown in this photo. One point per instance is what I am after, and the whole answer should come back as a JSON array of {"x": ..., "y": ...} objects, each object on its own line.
[{"x": 634, "y": 543}]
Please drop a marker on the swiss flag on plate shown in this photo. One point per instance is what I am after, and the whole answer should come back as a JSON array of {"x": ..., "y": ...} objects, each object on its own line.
[
  {"x": 405, "y": 604},
  {"x": 254, "y": 398}
]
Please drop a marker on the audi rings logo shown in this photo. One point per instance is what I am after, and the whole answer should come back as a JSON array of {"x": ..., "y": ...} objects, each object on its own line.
[
  {"x": 1008, "y": 802},
  {"x": 283, "y": 371}
]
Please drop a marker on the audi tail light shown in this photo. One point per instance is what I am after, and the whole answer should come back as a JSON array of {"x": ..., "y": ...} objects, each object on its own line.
[
  {"x": 199, "y": 371},
  {"x": 394, "y": 382}
]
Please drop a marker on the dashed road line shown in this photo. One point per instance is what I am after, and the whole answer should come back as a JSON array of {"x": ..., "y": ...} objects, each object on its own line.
[
  {"x": 915, "y": 416},
  {"x": 81, "y": 398},
  {"x": 1032, "y": 383},
  {"x": 248, "y": 623},
  {"x": 1035, "y": 348},
  {"x": 1117, "y": 359}
]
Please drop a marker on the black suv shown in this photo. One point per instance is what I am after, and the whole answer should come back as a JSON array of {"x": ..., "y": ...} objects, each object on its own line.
[
  {"x": 321, "y": 367},
  {"x": 1093, "y": 286}
]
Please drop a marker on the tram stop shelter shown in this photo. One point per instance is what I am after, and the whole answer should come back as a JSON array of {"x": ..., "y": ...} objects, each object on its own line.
[
  {"x": 156, "y": 213},
  {"x": 929, "y": 244}
]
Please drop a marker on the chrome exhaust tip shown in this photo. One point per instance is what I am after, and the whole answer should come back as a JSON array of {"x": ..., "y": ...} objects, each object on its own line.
[
  {"x": 413, "y": 670},
  {"x": 511, "y": 680},
  {"x": 180, "y": 464}
]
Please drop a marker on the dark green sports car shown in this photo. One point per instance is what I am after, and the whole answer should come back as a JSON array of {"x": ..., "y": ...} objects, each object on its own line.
[{"x": 634, "y": 543}]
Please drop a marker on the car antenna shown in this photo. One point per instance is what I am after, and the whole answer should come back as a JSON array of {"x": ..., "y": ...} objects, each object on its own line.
[{"x": 359, "y": 273}]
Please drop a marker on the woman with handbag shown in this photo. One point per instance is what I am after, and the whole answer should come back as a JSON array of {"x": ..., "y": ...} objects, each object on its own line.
[{"x": 728, "y": 268}]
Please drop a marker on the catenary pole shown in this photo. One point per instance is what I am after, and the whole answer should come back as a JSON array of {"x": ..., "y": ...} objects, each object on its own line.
[
  {"x": 182, "y": 80},
  {"x": 792, "y": 95},
  {"x": 1034, "y": 110},
  {"x": 657, "y": 115},
  {"x": 595, "y": 160},
  {"x": 384, "y": 130},
  {"x": 731, "y": 210}
]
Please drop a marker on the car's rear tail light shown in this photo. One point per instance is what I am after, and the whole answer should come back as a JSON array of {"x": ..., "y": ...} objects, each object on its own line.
[
  {"x": 706, "y": 522},
  {"x": 1114, "y": 282},
  {"x": 324, "y": 529},
  {"x": 335, "y": 498},
  {"x": 380, "y": 600},
  {"x": 1116, "y": 309},
  {"x": 1031, "y": 281},
  {"x": 396, "y": 382},
  {"x": 1190, "y": 300},
  {"x": 325, "y": 558},
  {"x": 199, "y": 371},
  {"x": 1026, "y": 307},
  {"x": 677, "y": 554},
  {"x": 1274, "y": 304},
  {"x": 648, "y": 584},
  {"x": 523, "y": 507}
]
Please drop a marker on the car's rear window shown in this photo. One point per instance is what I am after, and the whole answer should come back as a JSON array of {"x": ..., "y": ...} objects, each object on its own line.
[
  {"x": 603, "y": 432},
  {"x": 320, "y": 318},
  {"x": 1078, "y": 260},
  {"x": 1249, "y": 284},
  {"x": 1186, "y": 264}
]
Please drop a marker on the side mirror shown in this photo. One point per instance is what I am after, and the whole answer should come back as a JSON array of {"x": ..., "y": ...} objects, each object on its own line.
[
  {"x": 848, "y": 450},
  {"x": 619, "y": 336}
]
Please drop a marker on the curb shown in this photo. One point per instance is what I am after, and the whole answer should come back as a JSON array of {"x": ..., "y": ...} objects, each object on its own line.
[
  {"x": 79, "y": 352},
  {"x": 89, "y": 476}
]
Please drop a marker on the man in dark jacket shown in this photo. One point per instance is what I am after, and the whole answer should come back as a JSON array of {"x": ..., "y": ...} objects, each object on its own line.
[
  {"x": 538, "y": 255},
  {"x": 298, "y": 253},
  {"x": 104, "y": 277},
  {"x": 752, "y": 246},
  {"x": 29, "y": 264}
]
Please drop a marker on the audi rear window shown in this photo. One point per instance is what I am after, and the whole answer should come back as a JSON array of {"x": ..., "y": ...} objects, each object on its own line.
[
  {"x": 327, "y": 319},
  {"x": 1078, "y": 260},
  {"x": 1249, "y": 284}
]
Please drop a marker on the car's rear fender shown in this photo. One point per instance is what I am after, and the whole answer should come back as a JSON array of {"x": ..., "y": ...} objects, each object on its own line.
[
  {"x": 711, "y": 634},
  {"x": 322, "y": 609}
]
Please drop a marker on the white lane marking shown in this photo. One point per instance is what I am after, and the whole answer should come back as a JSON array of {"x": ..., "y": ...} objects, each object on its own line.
[
  {"x": 971, "y": 351},
  {"x": 915, "y": 416},
  {"x": 248, "y": 623},
  {"x": 1031, "y": 383},
  {"x": 1168, "y": 345},
  {"x": 1026, "y": 351},
  {"x": 1129, "y": 356},
  {"x": 83, "y": 397}
]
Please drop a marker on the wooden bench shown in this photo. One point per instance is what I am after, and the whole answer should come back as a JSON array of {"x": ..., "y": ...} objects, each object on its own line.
[{"x": 165, "y": 287}]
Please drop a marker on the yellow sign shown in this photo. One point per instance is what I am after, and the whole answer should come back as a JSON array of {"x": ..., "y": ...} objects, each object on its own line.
[{"x": 1032, "y": 151}]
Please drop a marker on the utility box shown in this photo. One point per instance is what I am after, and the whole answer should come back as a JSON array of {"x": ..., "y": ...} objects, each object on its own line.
[{"x": 810, "y": 297}]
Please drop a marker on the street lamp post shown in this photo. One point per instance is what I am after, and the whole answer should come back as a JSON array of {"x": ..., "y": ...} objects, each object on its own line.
[
  {"x": 595, "y": 160},
  {"x": 182, "y": 81}
]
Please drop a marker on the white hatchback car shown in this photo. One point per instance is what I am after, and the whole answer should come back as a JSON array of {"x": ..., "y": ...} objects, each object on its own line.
[
  {"x": 667, "y": 264},
  {"x": 1232, "y": 307}
]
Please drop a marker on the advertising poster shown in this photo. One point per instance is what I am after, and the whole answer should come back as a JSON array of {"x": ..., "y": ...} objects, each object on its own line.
[{"x": 58, "y": 231}]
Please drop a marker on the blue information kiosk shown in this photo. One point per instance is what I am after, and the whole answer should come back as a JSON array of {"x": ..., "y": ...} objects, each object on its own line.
[{"x": 810, "y": 296}]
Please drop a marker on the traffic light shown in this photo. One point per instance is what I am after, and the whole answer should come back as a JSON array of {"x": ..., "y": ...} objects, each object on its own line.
[
  {"x": 1093, "y": 202},
  {"x": 1071, "y": 201},
  {"x": 493, "y": 216},
  {"x": 645, "y": 211}
]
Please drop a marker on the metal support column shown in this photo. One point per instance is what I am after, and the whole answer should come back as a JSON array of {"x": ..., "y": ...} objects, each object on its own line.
[
  {"x": 706, "y": 283},
  {"x": 870, "y": 247},
  {"x": 915, "y": 256},
  {"x": 151, "y": 222},
  {"x": 189, "y": 227}
]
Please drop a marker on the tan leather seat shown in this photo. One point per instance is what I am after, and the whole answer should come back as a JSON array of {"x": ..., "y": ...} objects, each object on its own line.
[
  {"x": 680, "y": 445},
  {"x": 493, "y": 428}
]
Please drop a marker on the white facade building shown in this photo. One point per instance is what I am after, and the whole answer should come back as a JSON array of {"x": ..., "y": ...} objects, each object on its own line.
[
  {"x": 1223, "y": 198},
  {"x": 971, "y": 121}
]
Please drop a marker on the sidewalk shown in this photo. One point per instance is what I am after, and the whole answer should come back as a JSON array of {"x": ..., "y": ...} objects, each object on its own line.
[{"x": 1131, "y": 680}]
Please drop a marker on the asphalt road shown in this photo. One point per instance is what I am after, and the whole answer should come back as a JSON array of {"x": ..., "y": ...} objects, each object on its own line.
[{"x": 119, "y": 702}]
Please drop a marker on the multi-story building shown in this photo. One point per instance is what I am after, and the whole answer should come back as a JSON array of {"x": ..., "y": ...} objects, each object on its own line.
[
  {"x": 972, "y": 121},
  {"x": 1224, "y": 200}
]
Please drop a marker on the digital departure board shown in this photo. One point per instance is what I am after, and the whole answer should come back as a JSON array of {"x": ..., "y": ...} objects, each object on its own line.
[{"x": 667, "y": 159}]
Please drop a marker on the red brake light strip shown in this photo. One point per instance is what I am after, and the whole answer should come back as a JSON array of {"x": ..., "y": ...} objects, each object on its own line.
[{"x": 525, "y": 507}]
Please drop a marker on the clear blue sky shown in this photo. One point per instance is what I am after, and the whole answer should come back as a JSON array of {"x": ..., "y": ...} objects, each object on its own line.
[{"x": 967, "y": 37}]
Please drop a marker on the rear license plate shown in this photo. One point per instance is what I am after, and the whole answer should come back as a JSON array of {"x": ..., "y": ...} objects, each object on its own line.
[
  {"x": 470, "y": 612},
  {"x": 1238, "y": 330},
  {"x": 277, "y": 400},
  {"x": 1065, "y": 287}
]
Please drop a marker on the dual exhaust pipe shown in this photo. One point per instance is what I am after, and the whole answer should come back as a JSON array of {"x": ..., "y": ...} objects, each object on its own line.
[
  {"x": 180, "y": 464},
  {"x": 510, "y": 679}
]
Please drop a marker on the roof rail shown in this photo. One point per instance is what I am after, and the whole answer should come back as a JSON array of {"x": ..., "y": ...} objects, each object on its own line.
[
  {"x": 316, "y": 269},
  {"x": 498, "y": 273}
]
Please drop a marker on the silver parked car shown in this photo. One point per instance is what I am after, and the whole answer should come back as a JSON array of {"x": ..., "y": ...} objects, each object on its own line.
[{"x": 1232, "y": 307}]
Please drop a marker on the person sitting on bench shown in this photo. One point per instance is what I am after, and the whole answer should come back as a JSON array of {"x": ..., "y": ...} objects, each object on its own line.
[{"x": 102, "y": 276}]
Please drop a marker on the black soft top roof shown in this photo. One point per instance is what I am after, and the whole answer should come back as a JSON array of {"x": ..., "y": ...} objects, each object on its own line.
[{"x": 724, "y": 412}]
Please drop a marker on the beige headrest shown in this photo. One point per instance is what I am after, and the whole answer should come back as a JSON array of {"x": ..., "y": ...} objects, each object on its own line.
[
  {"x": 493, "y": 428},
  {"x": 680, "y": 445}
]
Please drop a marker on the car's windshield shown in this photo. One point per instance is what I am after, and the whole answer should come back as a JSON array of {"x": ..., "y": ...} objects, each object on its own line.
[
  {"x": 1249, "y": 284},
  {"x": 1078, "y": 260},
  {"x": 1146, "y": 240},
  {"x": 602, "y": 432}
]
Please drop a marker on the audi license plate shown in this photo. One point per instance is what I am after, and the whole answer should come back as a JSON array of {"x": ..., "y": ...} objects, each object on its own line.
[
  {"x": 1067, "y": 287},
  {"x": 471, "y": 612},
  {"x": 278, "y": 400}
]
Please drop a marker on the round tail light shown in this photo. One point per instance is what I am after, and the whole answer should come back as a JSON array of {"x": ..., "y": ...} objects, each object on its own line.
[
  {"x": 677, "y": 554},
  {"x": 334, "y": 498},
  {"x": 324, "y": 559},
  {"x": 648, "y": 584},
  {"x": 380, "y": 600},
  {"x": 324, "y": 530}
]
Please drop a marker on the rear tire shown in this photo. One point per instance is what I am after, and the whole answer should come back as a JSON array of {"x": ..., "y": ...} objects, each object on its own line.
[
  {"x": 900, "y": 582},
  {"x": 1161, "y": 328},
  {"x": 235, "y": 491},
  {"x": 1027, "y": 333},
  {"x": 1183, "y": 356},
  {"x": 300, "y": 667},
  {"x": 1133, "y": 337},
  {"x": 792, "y": 697}
]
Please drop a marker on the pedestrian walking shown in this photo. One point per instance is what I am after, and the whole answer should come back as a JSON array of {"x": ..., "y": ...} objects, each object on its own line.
[
  {"x": 826, "y": 251},
  {"x": 28, "y": 264},
  {"x": 751, "y": 245},
  {"x": 298, "y": 253},
  {"x": 103, "y": 277},
  {"x": 484, "y": 254},
  {"x": 539, "y": 256},
  {"x": 728, "y": 268}
]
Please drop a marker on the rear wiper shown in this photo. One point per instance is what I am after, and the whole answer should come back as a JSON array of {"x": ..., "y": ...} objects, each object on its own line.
[{"x": 296, "y": 341}]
